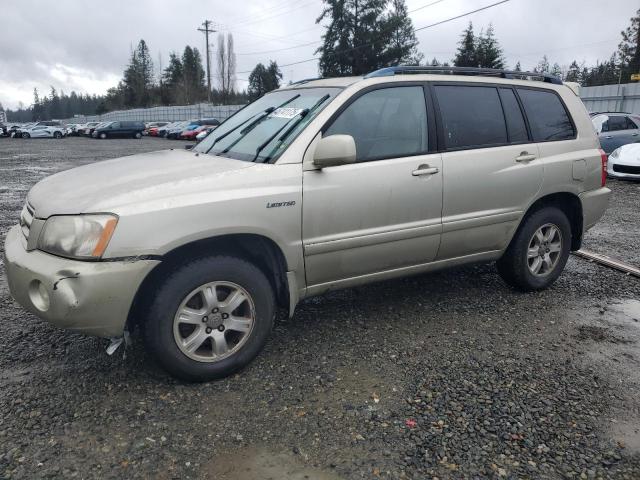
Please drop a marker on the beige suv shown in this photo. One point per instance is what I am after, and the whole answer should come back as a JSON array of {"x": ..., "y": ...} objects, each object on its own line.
[{"x": 320, "y": 185}]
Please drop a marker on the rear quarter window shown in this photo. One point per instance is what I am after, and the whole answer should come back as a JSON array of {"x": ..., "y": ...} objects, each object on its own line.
[{"x": 548, "y": 118}]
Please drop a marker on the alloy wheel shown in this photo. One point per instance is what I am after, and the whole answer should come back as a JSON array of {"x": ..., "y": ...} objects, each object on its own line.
[{"x": 545, "y": 249}]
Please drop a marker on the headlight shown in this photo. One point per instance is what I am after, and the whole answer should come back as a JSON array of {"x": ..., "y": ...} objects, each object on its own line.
[
  {"x": 615, "y": 153},
  {"x": 77, "y": 236}
]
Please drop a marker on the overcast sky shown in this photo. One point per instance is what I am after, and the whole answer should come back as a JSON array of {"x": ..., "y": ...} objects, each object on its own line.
[{"x": 84, "y": 47}]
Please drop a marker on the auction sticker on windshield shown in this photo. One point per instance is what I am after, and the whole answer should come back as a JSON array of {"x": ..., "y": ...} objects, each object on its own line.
[{"x": 285, "y": 112}]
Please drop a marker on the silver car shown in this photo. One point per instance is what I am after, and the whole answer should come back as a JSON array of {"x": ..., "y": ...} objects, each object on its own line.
[{"x": 320, "y": 185}]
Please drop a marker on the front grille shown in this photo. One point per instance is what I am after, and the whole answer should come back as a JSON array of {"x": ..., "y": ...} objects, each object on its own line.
[
  {"x": 26, "y": 217},
  {"x": 626, "y": 169}
]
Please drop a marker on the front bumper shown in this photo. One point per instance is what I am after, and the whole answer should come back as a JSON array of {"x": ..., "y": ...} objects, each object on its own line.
[
  {"x": 612, "y": 173},
  {"x": 89, "y": 297},
  {"x": 594, "y": 204}
]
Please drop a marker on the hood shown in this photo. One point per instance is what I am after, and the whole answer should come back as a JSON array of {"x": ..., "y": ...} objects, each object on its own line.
[
  {"x": 109, "y": 185},
  {"x": 630, "y": 153}
]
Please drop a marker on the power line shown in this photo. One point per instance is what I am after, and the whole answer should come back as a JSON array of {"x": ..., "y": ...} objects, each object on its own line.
[
  {"x": 320, "y": 41},
  {"x": 486, "y": 7}
]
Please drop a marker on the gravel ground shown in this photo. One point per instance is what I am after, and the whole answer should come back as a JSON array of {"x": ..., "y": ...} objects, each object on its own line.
[{"x": 449, "y": 375}]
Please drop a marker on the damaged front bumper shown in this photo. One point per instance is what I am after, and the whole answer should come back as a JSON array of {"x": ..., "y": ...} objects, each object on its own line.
[{"x": 89, "y": 297}]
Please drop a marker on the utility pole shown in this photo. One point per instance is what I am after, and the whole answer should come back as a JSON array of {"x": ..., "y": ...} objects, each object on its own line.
[{"x": 206, "y": 24}]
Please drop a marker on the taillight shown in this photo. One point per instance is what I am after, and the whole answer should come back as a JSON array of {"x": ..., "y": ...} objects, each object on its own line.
[{"x": 603, "y": 157}]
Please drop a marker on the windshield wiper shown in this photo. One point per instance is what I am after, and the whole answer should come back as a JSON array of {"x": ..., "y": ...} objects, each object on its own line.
[
  {"x": 251, "y": 126},
  {"x": 301, "y": 115}
]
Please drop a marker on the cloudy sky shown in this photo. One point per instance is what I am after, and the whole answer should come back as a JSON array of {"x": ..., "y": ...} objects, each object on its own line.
[{"x": 81, "y": 46}]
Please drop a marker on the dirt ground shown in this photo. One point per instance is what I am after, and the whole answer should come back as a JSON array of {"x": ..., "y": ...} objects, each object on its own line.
[{"x": 448, "y": 375}]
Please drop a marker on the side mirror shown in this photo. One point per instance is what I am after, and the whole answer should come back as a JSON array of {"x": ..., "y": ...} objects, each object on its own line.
[
  {"x": 335, "y": 150},
  {"x": 188, "y": 147}
]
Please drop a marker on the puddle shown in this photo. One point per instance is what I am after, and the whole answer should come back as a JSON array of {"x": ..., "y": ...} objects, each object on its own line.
[{"x": 252, "y": 463}]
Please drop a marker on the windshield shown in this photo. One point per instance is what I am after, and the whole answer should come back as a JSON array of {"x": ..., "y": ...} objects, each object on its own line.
[{"x": 265, "y": 128}]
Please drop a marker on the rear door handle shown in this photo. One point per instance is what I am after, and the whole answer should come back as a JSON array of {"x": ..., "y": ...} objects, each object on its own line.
[
  {"x": 608, "y": 136},
  {"x": 425, "y": 170},
  {"x": 634, "y": 134},
  {"x": 525, "y": 157}
]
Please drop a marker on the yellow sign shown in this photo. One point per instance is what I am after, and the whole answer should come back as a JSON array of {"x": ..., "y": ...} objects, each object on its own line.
[{"x": 635, "y": 76}]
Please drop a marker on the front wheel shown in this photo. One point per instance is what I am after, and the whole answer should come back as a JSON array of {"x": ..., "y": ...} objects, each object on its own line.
[
  {"x": 210, "y": 318},
  {"x": 103, "y": 136},
  {"x": 538, "y": 252},
  {"x": 25, "y": 135}
]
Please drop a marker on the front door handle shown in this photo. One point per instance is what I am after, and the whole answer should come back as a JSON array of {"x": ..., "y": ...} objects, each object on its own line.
[
  {"x": 634, "y": 134},
  {"x": 525, "y": 157},
  {"x": 425, "y": 170},
  {"x": 608, "y": 136}
]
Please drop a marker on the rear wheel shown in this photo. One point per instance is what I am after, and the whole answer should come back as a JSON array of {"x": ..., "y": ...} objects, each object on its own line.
[
  {"x": 137, "y": 135},
  {"x": 57, "y": 135},
  {"x": 210, "y": 318},
  {"x": 538, "y": 252},
  {"x": 25, "y": 135}
]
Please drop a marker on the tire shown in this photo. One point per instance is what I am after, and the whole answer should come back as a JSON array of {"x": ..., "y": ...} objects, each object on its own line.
[
  {"x": 25, "y": 135},
  {"x": 518, "y": 265},
  {"x": 103, "y": 136},
  {"x": 163, "y": 327},
  {"x": 137, "y": 135},
  {"x": 57, "y": 135}
]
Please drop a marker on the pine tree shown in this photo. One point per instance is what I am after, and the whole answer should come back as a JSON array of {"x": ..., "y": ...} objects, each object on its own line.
[
  {"x": 193, "y": 77},
  {"x": 543, "y": 65},
  {"x": 353, "y": 41},
  {"x": 629, "y": 48},
  {"x": 517, "y": 68},
  {"x": 172, "y": 77},
  {"x": 488, "y": 53},
  {"x": 138, "y": 77},
  {"x": 574, "y": 74},
  {"x": 556, "y": 71},
  {"x": 401, "y": 47},
  {"x": 263, "y": 79},
  {"x": 466, "y": 55}
]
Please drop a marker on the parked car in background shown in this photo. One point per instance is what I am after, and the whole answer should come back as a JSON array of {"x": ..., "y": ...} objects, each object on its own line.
[
  {"x": 3, "y": 130},
  {"x": 162, "y": 131},
  {"x": 89, "y": 127},
  {"x": 192, "y": 134},
  {"x": 203, "y": 134},
  {"x": 16, "y": 131},
  {"x": 74, "y": 129},
  {"x": 624, "y": 162},
  {"x": 122, "y": 129},
  {"x": 174, "y": 132},
  {"x": 616, "y": 129},
  {"x": 44, "y": 131},
  {"x": 330, "y": 184},
  {"x": 153, "y": 126}
]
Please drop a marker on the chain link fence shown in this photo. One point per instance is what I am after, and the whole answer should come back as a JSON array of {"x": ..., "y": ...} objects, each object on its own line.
[{"x": 162, "y": 114}]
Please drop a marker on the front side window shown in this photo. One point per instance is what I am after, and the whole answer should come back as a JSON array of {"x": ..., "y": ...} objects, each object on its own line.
[
  {"x": 471, "y": 116},
  {"x": 264, "y": 129},
  {"x": 385, "y": 123},
  {"x": 547, "y": 116}
]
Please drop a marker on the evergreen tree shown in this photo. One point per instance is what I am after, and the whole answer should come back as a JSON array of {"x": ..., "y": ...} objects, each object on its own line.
[
  {"x": 263, "y": 79},
  {"x": 629, "y": 49},
  {"x": 466, "y": 55},
  {"x": 138, "y": 77},
  {"x": 488, "y": 53},
  {"x": 401, "y": 46},
  {"x": 556, "y": 71},
  {"x": 172, "y": 78},
  {"x": 354, "y": 39},
  {"x": 517, "y": 68},
  {"x": 574, "y": 74},
  {"x": 193, "y": 77},
  {"x": 543, "y": 65}
]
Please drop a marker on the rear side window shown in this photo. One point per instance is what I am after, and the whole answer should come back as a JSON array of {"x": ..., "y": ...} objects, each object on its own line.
[
  {"x": 631, "y": 125},
  {"x": 516, "y": 127},
  {"x": 471, "y": 116},
  {"x": 547, "y": 116},
  {"x": 385, "y": 123}
]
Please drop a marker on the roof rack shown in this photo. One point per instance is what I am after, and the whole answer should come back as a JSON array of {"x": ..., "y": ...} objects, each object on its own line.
[
  {"x": 304, "y": 80},
  {"x": 484, "y": 72}
]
